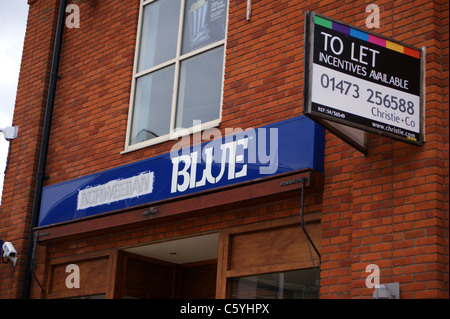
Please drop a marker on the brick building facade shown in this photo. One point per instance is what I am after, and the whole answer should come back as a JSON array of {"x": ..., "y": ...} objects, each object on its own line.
[{"x": 388, "y": 208}]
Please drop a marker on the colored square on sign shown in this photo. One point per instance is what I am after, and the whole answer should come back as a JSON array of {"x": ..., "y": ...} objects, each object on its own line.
[
  {"x": 323, "y": 22},
  {"x": 377, "y": 40},
  {"x": 411, "y": 52},
  {"x": 341, "y": 28},
  {"x": 394, "y": 46},
  {"x": 359, "y": 34}
]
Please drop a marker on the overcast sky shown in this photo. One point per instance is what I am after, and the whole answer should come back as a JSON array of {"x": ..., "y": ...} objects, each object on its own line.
[{"x": 13, "y": 21}]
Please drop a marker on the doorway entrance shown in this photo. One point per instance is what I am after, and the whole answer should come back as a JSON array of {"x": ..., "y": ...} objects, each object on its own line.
[
  {"x": 184, "y": 268},
  {"x": 270, "y": 259}
]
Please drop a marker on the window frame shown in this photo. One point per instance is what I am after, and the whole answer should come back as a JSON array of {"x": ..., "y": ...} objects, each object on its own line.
[
  {"x": 228, "y": 269},
  {"x": 172, "y": 135}
]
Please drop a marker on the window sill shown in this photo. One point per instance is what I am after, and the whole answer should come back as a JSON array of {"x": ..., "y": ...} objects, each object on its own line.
[{"x": 168, "y": 137}]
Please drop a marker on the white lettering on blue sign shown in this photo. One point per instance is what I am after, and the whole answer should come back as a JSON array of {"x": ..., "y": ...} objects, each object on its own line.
[
  {"x": 116, "y": 190},
  {"x": 250, "y": 155},
  {"x": 189, "y": 171},
  {"x": 226, "y": 155}
]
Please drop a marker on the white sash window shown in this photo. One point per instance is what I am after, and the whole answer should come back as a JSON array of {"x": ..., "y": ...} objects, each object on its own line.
[{"x": 178, "y": 69}]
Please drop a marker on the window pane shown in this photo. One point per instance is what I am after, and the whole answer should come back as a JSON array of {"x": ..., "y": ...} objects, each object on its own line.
[
  {"x": 204, "y": 23},
  {"x": 159, "y": 33},
  {"x": 296, "y": 284},
  {"x": 152, "y": 105},
  {"x": 200, "y": 88}
]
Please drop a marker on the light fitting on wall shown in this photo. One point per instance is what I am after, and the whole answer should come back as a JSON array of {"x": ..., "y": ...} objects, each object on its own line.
[
  {"x": 10, "y": 132},
  {"x": 152, "y": 212},
  {"x": 387, "y": 291}
]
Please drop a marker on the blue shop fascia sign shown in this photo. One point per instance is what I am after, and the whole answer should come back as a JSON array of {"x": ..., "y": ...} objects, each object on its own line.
[{"x": 250, "y": 154}]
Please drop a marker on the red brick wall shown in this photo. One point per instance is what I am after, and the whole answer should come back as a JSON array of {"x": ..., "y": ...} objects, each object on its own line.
[
  {"x": 18, "y": 191},
  {"x": 91, "y": 103},
  {"x": 391, "y": 207},
  {"x": 388, "y": 208}
]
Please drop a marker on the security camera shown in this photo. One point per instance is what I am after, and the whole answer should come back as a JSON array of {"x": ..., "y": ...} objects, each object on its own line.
[
  {"x": 9, "y": 252},
  {"x": 10, "y": 132}
]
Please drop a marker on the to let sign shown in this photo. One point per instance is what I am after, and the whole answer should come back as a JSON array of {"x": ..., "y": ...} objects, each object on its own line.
[{"x": 363, "y": 80}]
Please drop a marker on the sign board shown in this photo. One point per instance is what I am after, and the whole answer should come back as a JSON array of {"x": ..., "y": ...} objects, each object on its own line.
[
  {"x": 363, "y": 81},
  {"x": 248, "y": 155}
]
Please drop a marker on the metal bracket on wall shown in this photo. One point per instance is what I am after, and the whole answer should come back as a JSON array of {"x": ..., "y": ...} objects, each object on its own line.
[
  {"x": 303, "y": 181},
  {"x": 293, "y": 181}
]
